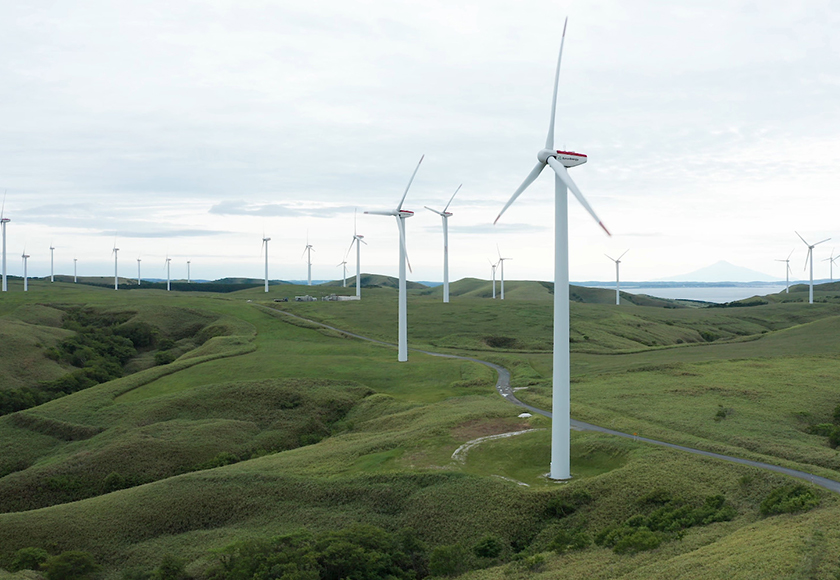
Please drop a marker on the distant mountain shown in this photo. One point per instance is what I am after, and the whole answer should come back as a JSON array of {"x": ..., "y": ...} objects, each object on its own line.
[{"x": 721, "y": 272}]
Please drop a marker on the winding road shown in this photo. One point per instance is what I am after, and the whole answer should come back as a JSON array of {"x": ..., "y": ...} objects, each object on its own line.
[{"x": 504, "y": 389}]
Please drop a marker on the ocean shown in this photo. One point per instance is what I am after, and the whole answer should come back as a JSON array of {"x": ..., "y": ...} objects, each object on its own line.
[{"x": 718, "y": 294}]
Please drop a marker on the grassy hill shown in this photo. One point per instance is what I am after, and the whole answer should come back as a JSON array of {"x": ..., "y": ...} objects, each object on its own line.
[
  {"x": 374, "y": 281},
  {"x": 267, "y": 426}
]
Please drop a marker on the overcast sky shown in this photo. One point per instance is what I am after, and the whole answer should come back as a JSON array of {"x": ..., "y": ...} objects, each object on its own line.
[{"x": 192, "y": 128}]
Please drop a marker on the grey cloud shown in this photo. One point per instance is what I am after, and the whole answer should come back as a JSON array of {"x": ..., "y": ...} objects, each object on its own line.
[
  {"x": 230, "y": 207},
  {"x": 165, "y": 233}
]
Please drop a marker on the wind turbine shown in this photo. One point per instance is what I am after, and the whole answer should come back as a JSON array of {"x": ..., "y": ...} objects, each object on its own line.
[
  {"x": 401, "y": 215},
  {"x": 787, "y": 271},
  {"x": 52, "y": 262},
  {"x": 264, "y": 245},
  {"x": 75, "y": 278},
  {"x": 168, "y": 259},
  {"x": 810, "y": 258},
  {"x": 617, "y": 262},
  {"x": 3, "y": 221},
  {"x": 138, "y": 270},
  {"x": 445, "y": 215},
  {"x": 308, "y": 251},
  {"x": 831, "y": 261},
  {"x": 357, "y": 239},
  {"x": 25, "y": 257},
  {"x": 502, "y": 272},
  {"x": 116, "y": 278},
  {"x": 188, "y": 271},
  {"x": 559, "y": 161},
  {"x": 344, "y": 280},
  {"x": 493, "y": 269}
]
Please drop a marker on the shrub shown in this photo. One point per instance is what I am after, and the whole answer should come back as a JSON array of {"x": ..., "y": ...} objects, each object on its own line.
[
  {"x": 449, "y": 560},
  {"x": 834, "y": 438},
  {"x": 488, "y": 547},
  {"x": 638, "y": 541},
  {"x": 566, "y": 541},
  {"x": 164, "y": 357},
  {"x": 171, "y": 568},
  {"x": 71, "y": 565},
  {"x": 823, "y": 429},
  {"x": 28, "y": 559},
  {"x": 789, "y": 499}
]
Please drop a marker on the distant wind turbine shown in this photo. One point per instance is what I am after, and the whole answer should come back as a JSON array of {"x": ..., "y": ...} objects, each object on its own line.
[
  {"x": 3, "y": 221},
  {"x": 116, "y": 278},
  {"x": 308, "y": 251},
  {"x": 188, "y": 271},
  {"x": 75, "y": 278},
  {"x": 401, "y": 215},
  {"x": 357, "y": 239},
  {"x": 138, "y": 270},
  {"x": 343, "y": 280},
  {"x": 559, "y": 161},
  {"x": 501, "y": 273},
  {"x": 25, "y": 257},
  {"x": 831, "y": 261},
  {"x": 445, "y": 215},
  {"x": 810, "y": 259},
  {"x": 493, "y": 270},
  {"x": 617, "y": 262},
  {"x": 52, "y": 262},
  {"x": 787, "y": 271},
  {"x": 168, "y": 260},
  {"x": 264, "y": 246}
]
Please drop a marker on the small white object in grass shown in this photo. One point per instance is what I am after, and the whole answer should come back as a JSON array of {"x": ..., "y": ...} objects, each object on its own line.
[{"x": 524, "y": 415}]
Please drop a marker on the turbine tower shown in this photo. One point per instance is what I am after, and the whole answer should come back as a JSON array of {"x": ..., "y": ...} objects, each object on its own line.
[
  {"x": 75, "y": 278},
  {"x": 787, "y": 272},
  {"x": 831, "y": 261},
  {"x": 308, "y": 251},
  {"x": 52, "y": 262},
  {"x": 401, "y": 215},
  {"x": 25, "y": 257},
  {"x": 264, "y": 245},
  {"x": 810, "y": 259},
  {"x": 445, "y": 215},
  {"x": 3, "y": 221},
  {"x": 617, "y": 262},
  {"x": 357, "y": 239},
  {"x": 168, "y": 259},
  {"x": 138, "y": 270},
  {"x": 343, "y": 280},
  {"x": 493, "y": 270},
  {"x": 116, "y": 278},
  {"x": 501, "y": 273},
  {"x": 559, "y": 161},
  {"x": 188, "y": 271}
]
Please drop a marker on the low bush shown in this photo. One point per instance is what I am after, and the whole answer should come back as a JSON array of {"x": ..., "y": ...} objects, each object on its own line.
[
  {"x": 71, "y": 565},
  {"x": 789, "y": 499},
  {"x": 28, "y": 559}
]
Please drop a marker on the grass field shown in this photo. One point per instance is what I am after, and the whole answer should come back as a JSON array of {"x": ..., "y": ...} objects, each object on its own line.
[{"x": 264, "y": 427}]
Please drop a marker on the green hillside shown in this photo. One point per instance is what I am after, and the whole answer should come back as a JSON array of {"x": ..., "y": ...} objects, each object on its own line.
[
  {"x": 262, "y": 426},
  {"x": 374, "y": 281}
]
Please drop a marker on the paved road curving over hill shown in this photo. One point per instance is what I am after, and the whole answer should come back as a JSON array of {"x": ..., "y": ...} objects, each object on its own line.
[{"x": 504, "y": 389}]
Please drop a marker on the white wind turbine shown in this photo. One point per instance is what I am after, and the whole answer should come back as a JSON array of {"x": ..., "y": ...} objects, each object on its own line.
[
  {"x": 115, "y": 251},
  {"x": 25, "y": 257},
  {"x": 168, "y": 260},
  {"x": 75, "y": 278},
  {"x": 559, "y": 161},
  {"x": 493, "y": 270},
  {"x": 357, "y": 239},
  {"x": 308, "y": 251},
  {"x": 343, "y": 280},
  {"x": 445, "y": 215},
  {"x": 3, "y": 221},
  {"x": 787, "y": 271},
  {"x": 617, "y": 262},
  {"x": 264, "y": 246},
  {"x": 831, "y": 261},
  {"x": 52, "y": 262},
  {"x": 501, "y": 272},
  {"x": 401, "y": 215},
  {"x": 188, "y": 271},
  {"x": 810, "y": 258},
  {"x": 138, "y": 270}
]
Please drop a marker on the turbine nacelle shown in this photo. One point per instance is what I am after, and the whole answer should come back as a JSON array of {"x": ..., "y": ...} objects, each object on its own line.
[
  {"x": 567, "y": 158},
  {"x": 404, "y": 213}
]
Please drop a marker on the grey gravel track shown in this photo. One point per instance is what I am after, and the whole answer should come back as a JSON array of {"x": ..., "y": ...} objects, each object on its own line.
[{"x": 504, "y": 389}]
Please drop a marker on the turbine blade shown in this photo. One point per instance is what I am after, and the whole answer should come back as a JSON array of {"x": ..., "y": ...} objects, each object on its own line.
[
  {"x": 451, "y": 198},
  {"x": 610, "y": 257},
  {"x": 3, "y": 209},
  {"x": 434, "y": 210},
  {"x": 549, "y": 140},
  {"x": 567, "y": 179},
  {"x": 347, "y": 253},
  {"x": 801, "y": 238},
  {"x": 401, "y": 226},
  {"x": 354, "y": 221},
  {"x": 364, "y": 242},
  {"x": 622, "y": 255},
  {"x": 399, "y": 207},
  {"x": 535, "y": 172},
  {"x": 807, "y": 256},
  {"x": 381, "y": 212},
  {"x": 791, "y": 253},
  {"x": 825, "y": 240}
]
